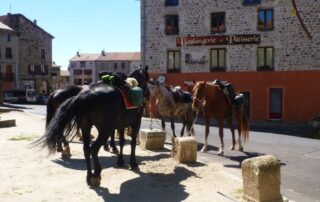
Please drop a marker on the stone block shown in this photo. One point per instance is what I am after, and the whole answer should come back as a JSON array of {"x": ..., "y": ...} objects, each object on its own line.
[
  {"x": 184, "y": 149},
  {"x": 152, "y": 139},
  {"x": 7, "y": 123},
  {"x": 261, "y": 179}
]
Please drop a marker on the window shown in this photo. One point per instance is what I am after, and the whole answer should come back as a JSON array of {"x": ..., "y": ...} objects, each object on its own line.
[
  {"x": 248, "y": 2},
  {"x": 115, "y": 66},
  {"x": 78, "y": 81},
  {"x": 172, "y": 24},
  {"x": 172, "y": 2},
  {"x": 8, "y": 37},
  {"x": 43, "y": 54},
  {"x": 218, "y": 22},
  {"x": 218, "y": 59},
  {"x": 123, "y": 65},
  {"x": 173, "y": 61},
  {"x": 265, "y": 58},
  {"x": 265, "y": 19},
  {"x": 77, "y": 71},
  {"x": 31, "y": 69},
  {"x": 82, "y": 64},
  {"x": 8, "y": 53},
  {"x": 87, "y": 71}
]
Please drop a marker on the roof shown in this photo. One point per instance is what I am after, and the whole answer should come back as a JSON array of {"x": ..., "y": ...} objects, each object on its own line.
[
  {"x": 84, "y": 57},
  {"x": 5, "y": 27},
  {"x": 119, "y": 56},
  {"x": 107, "y": 56},
  {"x": 5, "y": 19},
  {"x": 64, "y": 73}
]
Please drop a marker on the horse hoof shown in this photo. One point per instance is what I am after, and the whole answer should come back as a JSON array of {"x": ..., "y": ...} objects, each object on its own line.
[
  {"x": 220, "y": 153},
  {"x": 134, "y": 166},
  {"x": 203, "y": 150},
  {"x": 106, "y": 148},
  {"x": 95, "y": 181},
  {"x": 65, "y": 155},
  {"x": 232, "y": 148},
  {"x": 115, "y": 150},
  {"x": 241, "y": 149}
]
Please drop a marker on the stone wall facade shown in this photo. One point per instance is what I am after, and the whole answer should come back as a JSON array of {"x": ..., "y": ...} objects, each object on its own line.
[
  {"x": 293, "y": 50},
  {"x": 35, "y": 53}
]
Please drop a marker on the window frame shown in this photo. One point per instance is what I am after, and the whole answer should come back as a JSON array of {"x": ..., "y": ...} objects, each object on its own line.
[
  {"x": 174, "y": 30},
  {"x": 218, "y": 14},
  {"x": 175, "y": 68},
  {"x": 251, "y": 2},
  {"x": 265, "y": 67},
  {"x": 8, "y": 53},
  {"x": 218, "y": 68},
  {"x": 265, "y": 27}
]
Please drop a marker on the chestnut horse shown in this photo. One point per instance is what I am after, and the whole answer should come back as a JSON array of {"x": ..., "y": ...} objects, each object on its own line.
[{"x": 214, "y": 103}]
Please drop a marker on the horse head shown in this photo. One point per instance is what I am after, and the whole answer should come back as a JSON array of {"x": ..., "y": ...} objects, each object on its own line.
[{"x": 198, "y": 94}]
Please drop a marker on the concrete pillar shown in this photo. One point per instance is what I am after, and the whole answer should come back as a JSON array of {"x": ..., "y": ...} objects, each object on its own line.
[
  {"x": 184, "y": 149},
  {"x": 152, "y": 139},
  {"x": 261, "y": 179}
]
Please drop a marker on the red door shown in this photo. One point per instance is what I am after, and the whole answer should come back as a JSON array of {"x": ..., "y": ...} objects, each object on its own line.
[{"x": 275, "y": 112}]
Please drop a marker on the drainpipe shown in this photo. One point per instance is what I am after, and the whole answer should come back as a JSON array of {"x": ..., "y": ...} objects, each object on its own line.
[{"x": 143, "y": 32}]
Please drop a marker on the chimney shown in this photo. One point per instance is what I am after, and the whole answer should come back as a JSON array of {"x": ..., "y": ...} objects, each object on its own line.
[
  {"x": 35, "y": 22},
  {"x": 103, "y": 53},
  {"x": 78, "y": 53}
]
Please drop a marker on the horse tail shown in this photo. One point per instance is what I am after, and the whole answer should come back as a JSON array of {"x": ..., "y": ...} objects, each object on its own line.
[
  {"x": 59, "y": 125},
  {"x": 50, "y": 109},
  {"x": 244, "y": 126}
]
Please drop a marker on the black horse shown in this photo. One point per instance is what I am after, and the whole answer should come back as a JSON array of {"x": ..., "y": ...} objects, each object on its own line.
[
  {"x": 56, "y": 98},
  {"x": 100, "y": 105}
]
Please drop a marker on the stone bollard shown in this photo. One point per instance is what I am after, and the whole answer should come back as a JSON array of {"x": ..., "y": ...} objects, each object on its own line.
[
  {"x": 184, "y": 149},
  {"x": 152, "y": 139},
  {"x": 261, "y": 179}
]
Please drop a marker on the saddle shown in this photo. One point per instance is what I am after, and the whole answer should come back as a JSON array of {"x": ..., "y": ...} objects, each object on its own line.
[
  {"x": 180, "y": 96},
  {"x": 227, "y": 89},
  {"x": 132, "y": 96}
]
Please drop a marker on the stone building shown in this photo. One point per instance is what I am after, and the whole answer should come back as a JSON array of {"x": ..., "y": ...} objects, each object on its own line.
[
  {"x": 269, "y": 50},
  {"x": 35, "y": 53},
  {"x": 60, "y": 78},
  {"x": 84, "y": 68},
  {"x": 9, "y": 57}
]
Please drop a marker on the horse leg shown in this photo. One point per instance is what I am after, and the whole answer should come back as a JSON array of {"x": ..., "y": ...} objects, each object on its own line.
[
  {"x": 182, "y": 129},
  {"x": 163, "y": 123},
  {"x": 220, "y": 124},
  {"x": 102, "y": 138},
  {"x": 205, "y": 146},
  {"x": 86, "y": 151},
  {"x": 112, "y": 145},
  {"x": 172, "y": 127},
  {"x": 229, "y": 121},
  {"x": 239, "y": 131},
  {"x": 135, "y": 129},
  {"x": 121, "y": 142},
  {"x": 66, "y": 151}
]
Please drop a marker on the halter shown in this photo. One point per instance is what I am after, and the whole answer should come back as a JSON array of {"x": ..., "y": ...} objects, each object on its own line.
[{"x": 201, "y": 101}]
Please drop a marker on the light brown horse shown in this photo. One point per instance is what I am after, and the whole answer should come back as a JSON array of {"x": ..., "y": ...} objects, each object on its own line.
[{"x": 214, "y": 103}]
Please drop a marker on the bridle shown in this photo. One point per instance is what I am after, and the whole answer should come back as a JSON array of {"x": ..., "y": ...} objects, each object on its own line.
[{"x": 199, "y": 100}]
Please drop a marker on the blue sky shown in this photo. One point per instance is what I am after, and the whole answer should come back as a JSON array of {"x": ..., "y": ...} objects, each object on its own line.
[{"x": 85, "y": 25}]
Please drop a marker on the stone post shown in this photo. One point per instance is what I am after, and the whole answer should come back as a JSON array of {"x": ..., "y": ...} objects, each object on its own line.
[{"x": 261, "y": 179}]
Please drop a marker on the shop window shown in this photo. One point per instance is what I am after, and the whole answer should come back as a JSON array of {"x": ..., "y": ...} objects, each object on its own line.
[
  {"x": 265, "y": 59},
  {"x": 172, "y": 24},
  {"x": 172, "y": 2},
  {"x": 218, "y": 60},
  {"x": 265, "y": 19},
  {"x": 218, "y": 22},
  {"x": 173, "y": 61},
  {"x": 78, "y": 81}
]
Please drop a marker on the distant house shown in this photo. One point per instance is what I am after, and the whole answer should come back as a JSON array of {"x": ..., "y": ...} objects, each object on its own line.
[
  {"x": 60, "y": 78},
  {"x": 84, "y": 68},
  {"x": 34, "y": 53},
  {"x": 9, "y": 60}
]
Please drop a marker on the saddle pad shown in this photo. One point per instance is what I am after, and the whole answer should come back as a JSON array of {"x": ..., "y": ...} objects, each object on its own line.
[{"x": 133, "y": 98}]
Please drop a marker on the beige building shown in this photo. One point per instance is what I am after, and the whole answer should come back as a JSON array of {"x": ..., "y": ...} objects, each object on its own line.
[
  {"x": 84, "y": 68},
  {"x": 34, "y": 55},
  {"x": 9, "y": 57}
]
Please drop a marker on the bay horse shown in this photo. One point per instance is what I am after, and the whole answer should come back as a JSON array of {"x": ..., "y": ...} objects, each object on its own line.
[
  {"x": 169, "y": 108},
  {"x": 214, "y": 103},
  {"x": 100, "y": 105}
]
